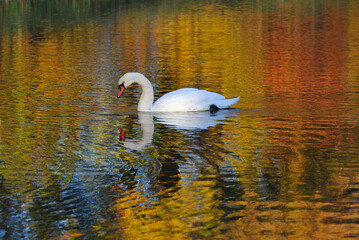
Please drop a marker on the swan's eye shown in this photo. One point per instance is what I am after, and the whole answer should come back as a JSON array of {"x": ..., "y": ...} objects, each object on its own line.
[{"x": 121, "y": 85}]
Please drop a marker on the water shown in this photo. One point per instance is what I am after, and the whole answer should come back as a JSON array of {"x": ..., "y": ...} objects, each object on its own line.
[{"x": 78, "y": 163}]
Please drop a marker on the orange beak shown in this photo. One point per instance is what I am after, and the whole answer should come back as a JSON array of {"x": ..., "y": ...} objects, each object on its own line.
[{"x": 122, "y": 89}]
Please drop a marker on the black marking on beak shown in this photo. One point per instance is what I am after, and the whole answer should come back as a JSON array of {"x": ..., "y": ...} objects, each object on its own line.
[{"x": 122, "y": 89}]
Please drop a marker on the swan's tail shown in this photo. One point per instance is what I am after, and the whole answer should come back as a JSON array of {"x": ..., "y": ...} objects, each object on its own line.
[{"x": 226, "y": 103}]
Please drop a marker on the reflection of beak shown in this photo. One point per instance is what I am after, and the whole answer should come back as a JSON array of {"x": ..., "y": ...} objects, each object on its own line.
[
  {"x": 122, "y": 135},
  {"x": 122, "y": 89}
]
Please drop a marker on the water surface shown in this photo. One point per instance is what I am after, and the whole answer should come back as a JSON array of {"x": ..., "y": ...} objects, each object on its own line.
[{"x": 76, "y": 162}]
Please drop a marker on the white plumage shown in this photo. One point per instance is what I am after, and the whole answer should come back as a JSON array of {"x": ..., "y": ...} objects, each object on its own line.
[{"x": 182, "y": 100}]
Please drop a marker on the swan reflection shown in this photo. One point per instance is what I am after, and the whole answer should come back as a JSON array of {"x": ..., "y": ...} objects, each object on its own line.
[
  {"x": 177, "y": 120},
  {"x": 193, "y": 120},
  {"x": 147, "y": 126},
  {"x": 180, "y": 145}
]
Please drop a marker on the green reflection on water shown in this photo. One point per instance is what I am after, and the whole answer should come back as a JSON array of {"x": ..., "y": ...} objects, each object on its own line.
[{"x": 282, "y": 165}]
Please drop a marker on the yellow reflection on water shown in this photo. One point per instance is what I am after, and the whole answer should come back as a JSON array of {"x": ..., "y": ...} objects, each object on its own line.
[
  {"x": 178, "y": 215},
  {"x": 292, "y": 147},
  {"x": 287, "y": 59}
]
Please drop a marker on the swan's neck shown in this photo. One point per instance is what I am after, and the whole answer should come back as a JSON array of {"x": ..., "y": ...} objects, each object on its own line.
[{"x": 146, "y": 99}]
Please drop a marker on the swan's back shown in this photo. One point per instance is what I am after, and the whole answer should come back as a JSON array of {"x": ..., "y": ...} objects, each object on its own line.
[{"x": 191, "y": 99}]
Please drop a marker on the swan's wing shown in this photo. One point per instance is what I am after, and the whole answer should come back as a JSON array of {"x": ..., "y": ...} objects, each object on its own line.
[
  {"x": 225, "y": 103},
  {"x": 186, "y": 99}
]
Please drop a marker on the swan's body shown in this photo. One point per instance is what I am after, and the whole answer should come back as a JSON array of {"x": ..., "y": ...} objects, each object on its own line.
[{"x": 182, "y": 100}]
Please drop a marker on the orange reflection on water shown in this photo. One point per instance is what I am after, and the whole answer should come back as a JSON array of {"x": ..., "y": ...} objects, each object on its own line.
[
  {"x": 294, "y": 59},
  {"x": 293, "y": 62},
  {"x": 306, "y": 56}
]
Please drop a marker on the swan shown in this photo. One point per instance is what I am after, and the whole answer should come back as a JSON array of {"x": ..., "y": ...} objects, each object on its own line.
[{"x": 181, "y": 100}]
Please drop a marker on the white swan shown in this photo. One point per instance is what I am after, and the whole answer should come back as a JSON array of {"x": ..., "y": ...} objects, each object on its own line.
[{"x": 182, "y": 100}]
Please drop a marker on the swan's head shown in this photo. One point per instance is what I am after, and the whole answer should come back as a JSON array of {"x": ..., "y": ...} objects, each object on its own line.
[{"x": 127, "y": 79}]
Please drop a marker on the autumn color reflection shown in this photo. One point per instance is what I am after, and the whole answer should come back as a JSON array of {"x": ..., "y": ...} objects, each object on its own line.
[{"x": 283, "y": 164}]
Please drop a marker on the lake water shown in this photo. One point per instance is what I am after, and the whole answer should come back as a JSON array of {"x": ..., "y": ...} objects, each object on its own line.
[{"x": 76, "y": 162}]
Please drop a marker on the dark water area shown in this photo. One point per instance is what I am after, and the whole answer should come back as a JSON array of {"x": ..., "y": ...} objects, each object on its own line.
[{"x": 76, "y": 162}]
